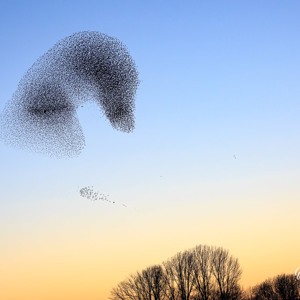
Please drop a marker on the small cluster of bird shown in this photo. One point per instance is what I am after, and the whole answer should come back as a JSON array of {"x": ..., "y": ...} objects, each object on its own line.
[{"x": 89, "y": 193}]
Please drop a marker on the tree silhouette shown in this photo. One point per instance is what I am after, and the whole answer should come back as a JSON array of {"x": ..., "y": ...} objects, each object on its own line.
[
  {"x": 286, "y": 287},
  {"x": 227, "y": 272},
  {"x": 201, "y": 273},
  {"x": 146, "y": 285},
  {"x": 181, "y": 270},
  {"x": 126, "y": 290},
  {"x": 171, "y": 288},
  {"x": 152, "y": 283},
  {"x": 204, "y": 284},
  {"x": 280, "y": 287}
]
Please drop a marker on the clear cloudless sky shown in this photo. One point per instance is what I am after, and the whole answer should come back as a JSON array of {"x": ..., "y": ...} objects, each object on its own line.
[{"x": 214, "y": 158}]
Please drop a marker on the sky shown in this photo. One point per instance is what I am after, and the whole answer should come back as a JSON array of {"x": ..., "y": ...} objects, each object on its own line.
[{"x": 213, "y": 160}]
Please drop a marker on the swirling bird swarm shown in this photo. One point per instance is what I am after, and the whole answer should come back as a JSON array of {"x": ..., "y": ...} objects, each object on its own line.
[{"x": 41, "y": 116}]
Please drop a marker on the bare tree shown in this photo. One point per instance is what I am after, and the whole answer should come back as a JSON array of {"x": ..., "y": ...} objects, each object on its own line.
[
  {"x": 280, "y": 287},
  {"x": 170, "y": 282},
  {"x": 180, "y": 269},
  {"x": 127, "y": 290},
  {"x": 264, "y": 291},
  {"x": 119, "y": 292},
  {"x": 158, "y": 282},
  {"x": 152, "y": 283},
  {"x": 143, "y": 284},
  {"x": 148, "y": 284},
  {"x": 204, "y": 284},
  {"x": 286, "y": 287},
  {"x": 202, "y": 273},
  {"x": 227, "y": 273}
]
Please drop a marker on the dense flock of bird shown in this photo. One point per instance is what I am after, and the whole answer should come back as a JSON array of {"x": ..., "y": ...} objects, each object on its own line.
[{"x": 86, "y": 66}]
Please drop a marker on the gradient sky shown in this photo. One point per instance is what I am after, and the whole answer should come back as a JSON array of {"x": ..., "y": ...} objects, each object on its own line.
[{"x": 218, "y": 79}]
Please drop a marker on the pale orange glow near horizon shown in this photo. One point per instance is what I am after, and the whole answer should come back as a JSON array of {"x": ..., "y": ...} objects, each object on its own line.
[{"x": 76, "y": 258}]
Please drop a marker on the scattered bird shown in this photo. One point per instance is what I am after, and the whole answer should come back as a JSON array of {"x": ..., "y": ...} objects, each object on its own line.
[{"x": 89, "y": 193}]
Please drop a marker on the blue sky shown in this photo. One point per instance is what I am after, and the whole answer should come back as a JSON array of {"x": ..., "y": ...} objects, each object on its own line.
[{"x": 218, "y": 79}]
